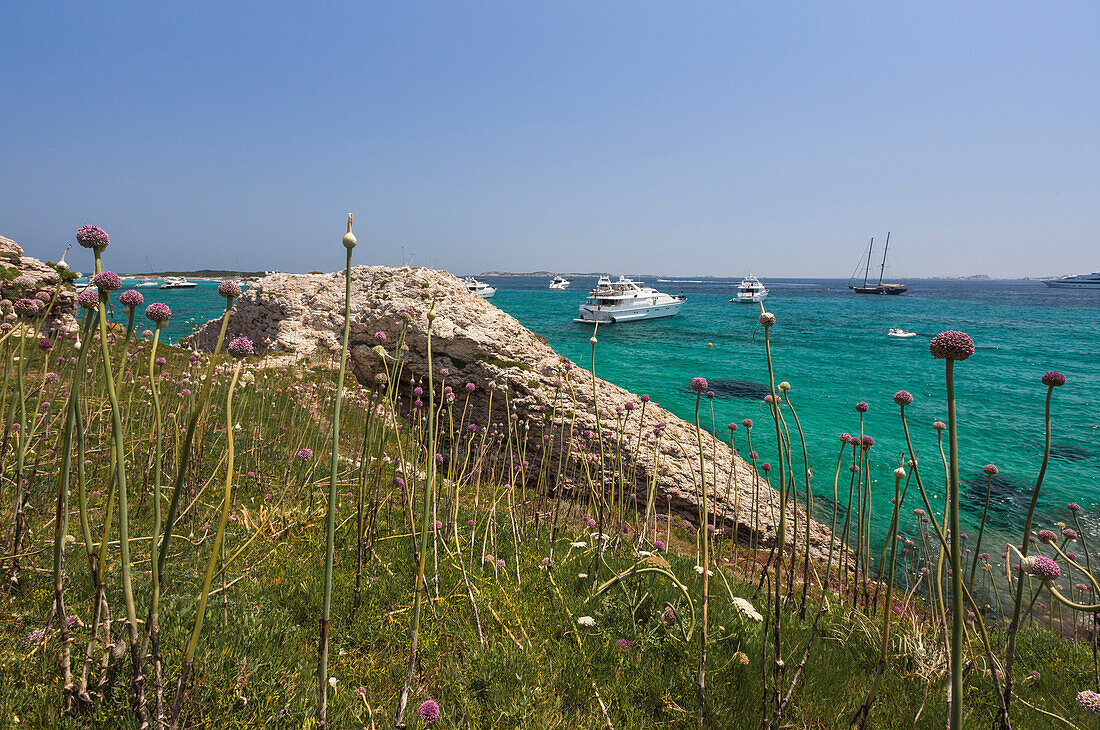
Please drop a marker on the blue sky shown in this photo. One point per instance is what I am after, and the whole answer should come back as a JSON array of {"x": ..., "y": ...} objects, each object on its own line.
[{"x": 680, "y": 138}]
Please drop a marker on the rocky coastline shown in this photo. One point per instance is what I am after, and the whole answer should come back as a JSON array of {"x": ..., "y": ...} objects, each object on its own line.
[{"x": 300, "y": 316}]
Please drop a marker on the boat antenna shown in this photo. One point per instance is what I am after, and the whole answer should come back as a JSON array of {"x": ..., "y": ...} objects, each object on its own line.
[
  {"x": 867, "y": 270},
  {"x": 883, "y": 268}
]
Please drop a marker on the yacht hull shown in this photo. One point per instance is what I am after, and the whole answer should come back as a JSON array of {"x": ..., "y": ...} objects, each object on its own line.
[
  {"x": 1055, "y": 284},
  {"x": 628, "y": 314}
]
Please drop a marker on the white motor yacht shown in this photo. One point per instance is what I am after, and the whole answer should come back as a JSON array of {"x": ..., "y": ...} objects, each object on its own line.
[
  {"x": 177, "y": 282},
  {"x": 626, "y": 300},
  {"x": 750, "y": 291},
  {"x": 1080, "y": 281},
  {"x": 899, "y": 332},
  {"x": 480, "y": 288},
  {"x": 560, "y": 282}
]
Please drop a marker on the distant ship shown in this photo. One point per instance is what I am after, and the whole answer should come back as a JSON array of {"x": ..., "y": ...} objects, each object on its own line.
[
  {"x": 878, "y": 288},
  {"x": 1080, "y": 281},
  {"x": 560, "y": 282}
]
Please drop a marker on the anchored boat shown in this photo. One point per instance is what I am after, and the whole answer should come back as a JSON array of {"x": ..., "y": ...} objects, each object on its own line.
[
  {"x": 625, "y": 301},
  {"x": 878, "y": 288}
]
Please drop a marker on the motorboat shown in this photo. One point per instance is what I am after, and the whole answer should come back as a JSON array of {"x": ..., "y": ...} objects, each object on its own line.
[
  {"x": 899, "y": 332},
  {"x": 750, "y": 291},
  {"x": 480, "y": 288},
  {"x": 560, "y": 282},
  {"x": 1080, "y": 281},
  {"x": 625, "y": 301},
  {"x": 146, "y": 283},
  {"x": 177, "y": 282}
]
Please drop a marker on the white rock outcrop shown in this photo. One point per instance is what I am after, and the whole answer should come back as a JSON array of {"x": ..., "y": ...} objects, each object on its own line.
[{"x": 301, "y": 316}]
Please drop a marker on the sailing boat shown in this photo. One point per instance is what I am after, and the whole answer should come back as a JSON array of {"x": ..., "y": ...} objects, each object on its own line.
[{"x": 878, "y": 288}]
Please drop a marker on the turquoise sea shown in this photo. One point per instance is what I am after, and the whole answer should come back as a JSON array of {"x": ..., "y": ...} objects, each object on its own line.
[{"x": 831, "y": 345}]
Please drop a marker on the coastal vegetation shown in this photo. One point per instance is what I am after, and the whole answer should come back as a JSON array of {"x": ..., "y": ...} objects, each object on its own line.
[{"x": 197, "y": 539}]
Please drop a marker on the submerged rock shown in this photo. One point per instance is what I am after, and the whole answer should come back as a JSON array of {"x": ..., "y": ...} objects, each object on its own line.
[{"x": 293, "y": 316}]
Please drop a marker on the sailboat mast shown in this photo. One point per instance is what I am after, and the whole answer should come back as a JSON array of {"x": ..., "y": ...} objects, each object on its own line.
[
  {"x": 882, "y": 270},
  {"x": 867, "y": 270}
]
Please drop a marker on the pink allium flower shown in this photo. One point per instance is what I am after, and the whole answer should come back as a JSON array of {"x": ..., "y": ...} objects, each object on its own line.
[
  {"x": 158, "y": 312},
  {"x": 624, "y": 645},
  {"x": 1041, "y": 567},
  {"x": 88, "y": 299},
  {"x": 304, "y": 454},
  {"x": 939, "y": 426},
  {"x": 1054, "y": 379},
  {"x": 1047, "y": 536},
  {"x": 903, "y": 398},
  {"x": 428, "y": 712},
  {"x": 989, "y": 470},
  {"x": 1089, "y": 701},
  {"x": 867, "y": 442},
  {"x": 161, "y": 361},
  {"x": 862, "y": 407},
  {"x": 747, "y": 423},
  {"x": 1073, "y": 507},
  {"x": 107, "y": 281},
  {"x": 240, "y": 347},
  {"x": 698, "y": 384},
  {"x": 658, "y": 545},
  {"x": 951, "y": 345},
  {"x": 131, "y": 298},
  {"x": 92, "y": 237},
  {"x": 26, "y": 307},
  {"x": 229, "y": 289}
]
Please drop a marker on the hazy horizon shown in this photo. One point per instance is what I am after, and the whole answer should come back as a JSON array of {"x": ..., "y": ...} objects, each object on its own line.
[{"x": 618, "y": 136}]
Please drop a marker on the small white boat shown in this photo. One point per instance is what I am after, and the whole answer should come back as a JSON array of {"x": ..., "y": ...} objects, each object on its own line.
[
  {"x": 177, "y": 282},
  {"x": 899, "y": 332},
  {"x": 625, "y": 301},
  {"x": 750, "y": 291},
  {"x": 480, "y": 288},
  {"x": 560, "y": 282},
  {"x": 146, "y": 284}
]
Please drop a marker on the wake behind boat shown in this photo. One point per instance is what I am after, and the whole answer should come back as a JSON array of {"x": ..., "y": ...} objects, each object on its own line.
[{"x": 626, "y": 301}]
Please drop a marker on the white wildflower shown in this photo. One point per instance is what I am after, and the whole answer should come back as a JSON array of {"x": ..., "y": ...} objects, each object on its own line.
[
  {"x": 586, "y": 621},
  {"x": 747, "y": 608},
  {"x": 578, "y": 544}
]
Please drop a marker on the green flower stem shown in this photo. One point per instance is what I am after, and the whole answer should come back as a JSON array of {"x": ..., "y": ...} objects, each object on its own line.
[
  {"x": 152, "y": 632},
  {"x": 705, "y": 536},
  {"x": 1014, "y": 626},
  {"x": 184, "y": 453},
  {"x": 123, "y": 510},
  {"x": 429, "y": 485},
  {"x": 956, "y": 558},
  {"x": 782, "y": 533},
  {"x": 215, "y": 552},
  {"x": 330, "y": 516},
  {"x": 981, "y": 529}
]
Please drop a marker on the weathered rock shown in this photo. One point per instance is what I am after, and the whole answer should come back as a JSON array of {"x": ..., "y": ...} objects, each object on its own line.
[
  {"x": 25, "y": 277},
  {"x": 301, "y": 316}
]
